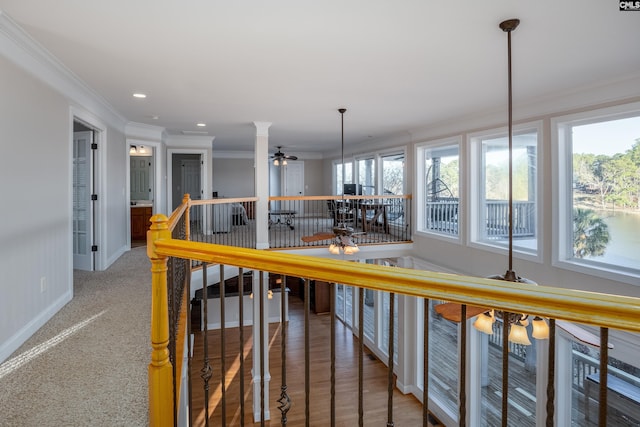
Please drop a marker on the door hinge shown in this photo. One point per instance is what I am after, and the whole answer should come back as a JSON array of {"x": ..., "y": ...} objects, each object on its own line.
[
  {"x": 94, "y": 197},
  {"x": 94, "y": 248},
  {"x": 94, "y": 146}
]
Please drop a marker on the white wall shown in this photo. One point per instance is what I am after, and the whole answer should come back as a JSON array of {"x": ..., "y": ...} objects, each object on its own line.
[
  {"x": 37, "y": 106},
  {"x": 35, "y": 233}
]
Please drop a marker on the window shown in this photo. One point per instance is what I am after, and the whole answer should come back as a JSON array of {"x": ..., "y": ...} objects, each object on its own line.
[
  {"x": 348, "y": 172},
  {"x": 438, "y": 187},
  {"x": 490, "y": 189},
  {"x": 393, "y": 174},
  {"x": 367, "y": 176},
  {"x": 599, "y": 189}
]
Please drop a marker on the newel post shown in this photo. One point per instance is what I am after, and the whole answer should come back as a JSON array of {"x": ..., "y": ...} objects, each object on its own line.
[{"x": 160, "y": 369}]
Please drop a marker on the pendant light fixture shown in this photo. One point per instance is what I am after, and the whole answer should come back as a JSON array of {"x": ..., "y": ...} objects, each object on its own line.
[
  {"x": 515, "y": 323},
  {"x": 343, "y": 241}
]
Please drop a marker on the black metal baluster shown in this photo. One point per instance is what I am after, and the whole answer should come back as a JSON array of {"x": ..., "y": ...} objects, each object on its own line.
[
  {"x": 332, "y": 310},
  {"x": 306, "y": 352},
  {"x": 223, "y": 374},
  {"x": 505, "y": 367},
  {"x": 189, "y": 349},
  {"x": 390, "y": 361},
  {"x": 425, "y": 374},
  {"x": 284, "y": 400},
  {"x": 262, "y": 349},
  {"x": 604, "y": 370},
  {"x": 361, "y": 356},
  {"x": 241, "y": 315},
  {"x": 463, "y": 366},
  {"x": 551, "y": 376},
  {"x": 206, "y": 368}
]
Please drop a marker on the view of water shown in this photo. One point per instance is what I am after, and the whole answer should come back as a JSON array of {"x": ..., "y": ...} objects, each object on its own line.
[{"x": 624, "y": 243}]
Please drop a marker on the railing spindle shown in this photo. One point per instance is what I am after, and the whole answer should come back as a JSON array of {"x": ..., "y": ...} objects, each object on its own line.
[
  {"x": 361, "y": 357},
  {"x": 332, "y": 310},
  {"x": 223, "y": 374},
  {"x": 390, "y": 361},
  {"x": 604, "y": 370},
  {"x": 307, "y": 384},
  {"x": 425, "y": 374},
  {"x": 505, "y": 367},
  {"x": 263, "y": 348},
  {"x": 241, "y": 325},
  {"x": 284, "y": 400},
  {"x": 463, "y": 366},
  {"x": 206, "y": 367},
  {"x": 551, "y": 375}
]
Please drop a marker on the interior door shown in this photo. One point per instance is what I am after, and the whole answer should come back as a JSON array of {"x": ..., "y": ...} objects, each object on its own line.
[
  {"x": 293, "y": 185},
  {"x": 140, "y": 177},
  {"x": 82, "y": 228}
]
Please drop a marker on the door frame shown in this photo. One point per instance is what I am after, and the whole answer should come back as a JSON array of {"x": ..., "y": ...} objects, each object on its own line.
[
  {"x": 206, "y": 191},
  {"x": 158, "y": 200},
  {"x": 99, "y": 184}
]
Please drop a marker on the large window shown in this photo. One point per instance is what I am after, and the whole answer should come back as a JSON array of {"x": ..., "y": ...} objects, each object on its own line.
[
  {"x": 348, "y": 176},
  {"x": 439, "y": 189},
  {"x": 490, "y": 189},
  {"x": 393, "y": 173},
  {"x": 367, "y": 176},
  {"x": 599, "y": 190}
]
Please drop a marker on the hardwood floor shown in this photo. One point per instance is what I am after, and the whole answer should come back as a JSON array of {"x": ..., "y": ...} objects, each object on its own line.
[{"x": 407, "y": 410}]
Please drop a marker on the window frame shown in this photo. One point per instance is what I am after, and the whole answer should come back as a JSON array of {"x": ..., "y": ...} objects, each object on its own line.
[
  {"x": 419, "y": 185},
  {"x": 474, "y": 186},
  {"x": 562, "y": 184}
]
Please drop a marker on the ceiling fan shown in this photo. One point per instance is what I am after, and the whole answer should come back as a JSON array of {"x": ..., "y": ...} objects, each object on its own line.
[
  {"x": 342, "y": 235},
  {"x": 279, "y": 158}
]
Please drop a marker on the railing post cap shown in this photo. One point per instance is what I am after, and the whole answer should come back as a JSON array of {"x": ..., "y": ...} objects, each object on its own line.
[{"x": 159, "y": 222}]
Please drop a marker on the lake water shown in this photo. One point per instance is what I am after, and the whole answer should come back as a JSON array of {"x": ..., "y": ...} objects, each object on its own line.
[{"x": 624, "y": 244}]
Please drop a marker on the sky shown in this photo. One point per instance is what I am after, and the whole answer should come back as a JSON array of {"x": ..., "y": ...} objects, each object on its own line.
[{"x": 608, "y": 138}]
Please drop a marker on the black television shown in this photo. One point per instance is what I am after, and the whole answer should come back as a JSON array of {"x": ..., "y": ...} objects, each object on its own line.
[{"x": 352, "y": 189}]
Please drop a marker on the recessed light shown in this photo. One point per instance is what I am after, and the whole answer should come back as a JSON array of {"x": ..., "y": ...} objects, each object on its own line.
[
  {"x": 201, "y": 125},
  {"x": 139, "y": 95}
]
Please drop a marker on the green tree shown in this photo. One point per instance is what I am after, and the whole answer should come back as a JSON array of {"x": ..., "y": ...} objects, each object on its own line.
[{"x": 590, "y": 233}]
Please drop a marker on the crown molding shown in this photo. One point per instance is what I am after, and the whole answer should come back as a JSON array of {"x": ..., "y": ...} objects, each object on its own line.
[
  {"x": 145, "y": 131},
  {"x": 190, "y": 141},
  {"x": 20, "y": 48}
]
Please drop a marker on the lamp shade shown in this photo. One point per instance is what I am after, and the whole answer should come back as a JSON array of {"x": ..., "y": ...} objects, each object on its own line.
[
  {"x": 540, "y": 328},
  {"x": 518, "y": 334},
  {"x": 484, "y": 323}
]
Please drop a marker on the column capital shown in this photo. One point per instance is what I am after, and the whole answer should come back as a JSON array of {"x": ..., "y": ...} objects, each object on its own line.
[{"x": 262, "y": 128}]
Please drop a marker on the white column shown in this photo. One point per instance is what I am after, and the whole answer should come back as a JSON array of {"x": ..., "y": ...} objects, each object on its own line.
[
  {"x": 261, "y": 166},
  {"x": 261, "y": 324}
]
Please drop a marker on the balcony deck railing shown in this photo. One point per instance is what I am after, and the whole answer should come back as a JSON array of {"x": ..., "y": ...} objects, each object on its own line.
[{"x": 166, "y": 388}]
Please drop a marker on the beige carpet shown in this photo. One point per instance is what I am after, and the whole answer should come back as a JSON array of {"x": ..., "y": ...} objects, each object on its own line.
[{"x": 88, "y": 365}]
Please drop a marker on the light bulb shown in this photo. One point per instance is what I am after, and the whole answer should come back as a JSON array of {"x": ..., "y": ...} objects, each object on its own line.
[
  {"x": 518, "y": 334},
  {"x": 284, "y": 162},
  {"x": 276, "y": 162},
  {"x": 270, "y": 294},
  {"x": 484, "y": 323},
  {"x": 540, "y": 328},
  {"x": 334, "y": 249}
]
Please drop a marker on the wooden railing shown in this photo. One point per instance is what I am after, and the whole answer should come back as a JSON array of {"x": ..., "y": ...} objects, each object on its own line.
[{"x": 601, "y": 310}]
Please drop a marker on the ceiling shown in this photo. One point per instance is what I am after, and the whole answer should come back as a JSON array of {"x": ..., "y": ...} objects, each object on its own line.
[{"x": 397, "y": 67}]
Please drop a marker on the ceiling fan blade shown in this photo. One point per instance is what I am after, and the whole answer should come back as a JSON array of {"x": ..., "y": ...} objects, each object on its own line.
[
  {"x": 453, "y": 311},
  {"x": 317, "y": 237},
  {"x": 291, "y": 157}
]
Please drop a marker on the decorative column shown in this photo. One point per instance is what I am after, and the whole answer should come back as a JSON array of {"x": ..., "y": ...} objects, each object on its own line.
[
  {"x": 260, "y": 368},
  {"x": 160, "y": 370},
  {"x": 261, "y": 168}
]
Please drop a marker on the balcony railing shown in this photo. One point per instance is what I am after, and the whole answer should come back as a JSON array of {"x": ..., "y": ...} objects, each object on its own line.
[
  {"x": 233, "y": 222},
  {"x": 441, "y": 216}
]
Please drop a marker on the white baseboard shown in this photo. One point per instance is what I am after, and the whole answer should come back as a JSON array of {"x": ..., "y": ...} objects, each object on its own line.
[{"x": 13, "y": 343}]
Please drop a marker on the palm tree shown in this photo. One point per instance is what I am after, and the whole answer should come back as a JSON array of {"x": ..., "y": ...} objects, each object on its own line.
[{"x": 590, "y": 233}]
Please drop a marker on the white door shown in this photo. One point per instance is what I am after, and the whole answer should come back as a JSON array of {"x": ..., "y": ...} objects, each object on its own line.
[
  {"x": 83, "y": 256},
  {"x": 293, "y": 185}
]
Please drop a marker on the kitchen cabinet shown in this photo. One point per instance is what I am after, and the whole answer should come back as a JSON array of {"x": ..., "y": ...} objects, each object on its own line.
[{"x": 140, "y": 222}]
